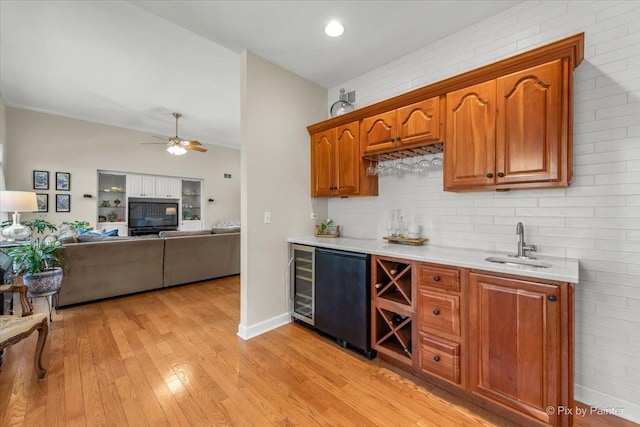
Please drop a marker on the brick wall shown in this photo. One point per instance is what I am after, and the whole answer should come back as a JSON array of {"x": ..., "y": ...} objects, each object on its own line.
[{"x": 596, "y": 220}]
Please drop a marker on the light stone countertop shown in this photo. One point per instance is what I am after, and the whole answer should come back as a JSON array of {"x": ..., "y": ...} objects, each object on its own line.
[{"x": 562, "y": 269}]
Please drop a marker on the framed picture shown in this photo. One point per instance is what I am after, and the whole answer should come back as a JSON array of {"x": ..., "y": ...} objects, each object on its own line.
[
  {"x": 63, "y": 202},
  {"x": 63, "y": 181},
  {"x": 43, "y": 202},
  {"x": 40, "y": 180}
]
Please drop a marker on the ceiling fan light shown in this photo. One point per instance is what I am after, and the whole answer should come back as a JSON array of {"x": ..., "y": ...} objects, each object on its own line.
[{"x": 176, "y": 150}]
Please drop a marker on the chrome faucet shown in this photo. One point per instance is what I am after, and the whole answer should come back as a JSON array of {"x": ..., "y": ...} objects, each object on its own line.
[{"x": 523, "y": 248}]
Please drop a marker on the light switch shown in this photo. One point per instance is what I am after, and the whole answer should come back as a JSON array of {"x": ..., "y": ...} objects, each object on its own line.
[
  {"x": 267, "y": 217},
  {"x": 314, "y": 215}
]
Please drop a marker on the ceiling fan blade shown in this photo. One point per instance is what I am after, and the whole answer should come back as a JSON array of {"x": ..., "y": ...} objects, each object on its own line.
[
  {"x": 200, "y": 149},
  {"x": 161, "y": 137},
  {"x": 193, "y": 142},
  {"x": 153, "y": 143}
]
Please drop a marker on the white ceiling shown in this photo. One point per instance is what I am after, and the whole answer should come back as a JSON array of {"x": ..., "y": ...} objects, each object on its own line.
[{"x": 131, "y": 64}]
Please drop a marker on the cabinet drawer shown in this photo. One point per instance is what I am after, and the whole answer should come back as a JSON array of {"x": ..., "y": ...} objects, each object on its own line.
[
  {"x": 439, "y": 312},
  {"x": 444, "y": 278},
  {"x": 440, "y": 357}
]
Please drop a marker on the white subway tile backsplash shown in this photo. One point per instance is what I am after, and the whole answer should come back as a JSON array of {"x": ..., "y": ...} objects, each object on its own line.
[
  {"x": 618, "y": 178},
  {"x": 592, "y": 105},
  {"x": 556, "y": 212},
  {"x": 596, "y": 219}
]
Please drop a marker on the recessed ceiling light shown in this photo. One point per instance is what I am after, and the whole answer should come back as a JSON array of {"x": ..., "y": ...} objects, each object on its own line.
[{"x": 334, "y": 29}]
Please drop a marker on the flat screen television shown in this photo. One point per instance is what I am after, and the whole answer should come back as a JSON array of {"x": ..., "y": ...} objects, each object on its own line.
[{"x": 153, "y": 216}]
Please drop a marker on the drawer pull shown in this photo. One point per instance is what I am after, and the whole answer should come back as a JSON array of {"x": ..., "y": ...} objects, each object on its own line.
[
  {"x": 436, "y": 358},
  {"x": 436, "y": 278},
  {"x": 436, "y": 312}
]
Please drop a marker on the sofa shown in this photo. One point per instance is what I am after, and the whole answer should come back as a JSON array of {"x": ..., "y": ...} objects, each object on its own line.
[{"x": 98, "y": 268}]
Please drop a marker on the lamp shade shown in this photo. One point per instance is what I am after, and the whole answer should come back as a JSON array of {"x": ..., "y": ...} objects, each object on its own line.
[{"x": 18, "y": 201}]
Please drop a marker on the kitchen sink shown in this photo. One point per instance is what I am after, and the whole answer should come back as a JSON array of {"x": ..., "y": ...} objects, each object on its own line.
[{"x": 518, "y": 261}]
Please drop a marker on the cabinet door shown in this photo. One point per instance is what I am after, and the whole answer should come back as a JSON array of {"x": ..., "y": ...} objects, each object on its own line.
[
  {"x": 190, "y": 225},
  {"x": 419, "y": 122},
  {"x": 529, "y": 124},
  {"x": 379, "y": 132},
  {"x": 515, "y": 343},
  {"x": 471, "y": 137},
  {"x": 161, "y": 187},
  {"x": 134, "y": 185},
  {"x": 166, "y": 187},
  {"x": 148, "y": 186},
  {"x": 173, "y": 188},
  {"x": 348, "y": 160},
  {"x": 323, "y": 163}
]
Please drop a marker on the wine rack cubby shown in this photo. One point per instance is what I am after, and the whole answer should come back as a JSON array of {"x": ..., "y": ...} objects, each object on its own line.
[
  {"x": 393, "y": 281},
  {"x": 392, "y": 308},
  {"x": 393, "y": 333}
]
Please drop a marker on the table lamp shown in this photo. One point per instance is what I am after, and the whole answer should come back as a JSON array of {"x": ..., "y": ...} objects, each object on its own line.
[{"x": 16, "y": 202}]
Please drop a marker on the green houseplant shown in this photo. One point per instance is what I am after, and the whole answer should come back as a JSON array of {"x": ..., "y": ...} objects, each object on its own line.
[
  {"x": 41, "y": 263},
  {"x": 39, "y": 225}
]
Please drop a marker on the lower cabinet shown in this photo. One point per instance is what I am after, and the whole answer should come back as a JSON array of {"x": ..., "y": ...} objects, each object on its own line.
[
  {"x": 504, "y": 341},
  {"x": 521, "y": 344},
  {"x": 190, "y": 225}
]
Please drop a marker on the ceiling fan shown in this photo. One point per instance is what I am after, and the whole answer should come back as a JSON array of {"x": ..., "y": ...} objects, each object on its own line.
[{"x": 176, "y": 145}]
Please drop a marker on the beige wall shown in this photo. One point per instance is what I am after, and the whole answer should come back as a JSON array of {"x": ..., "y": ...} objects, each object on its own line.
[
  {"x": 3, "y": 127},
  {"x": 53, "y": 143},
  {"x": 3, "y": 149},
  {"x": 276, "y": 107}
]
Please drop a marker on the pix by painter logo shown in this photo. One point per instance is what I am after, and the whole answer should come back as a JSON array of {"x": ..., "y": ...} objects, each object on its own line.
[{"x": 581, "y": 412}]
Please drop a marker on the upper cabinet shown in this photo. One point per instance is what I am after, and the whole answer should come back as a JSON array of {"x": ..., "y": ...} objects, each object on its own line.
[
  {"x": 141, "y": 186},
  {"x": 506, "y": 125},
  {"x": 471, "y": 136},
  {"x": 158, "y": 187},
  {"x": 166, "y": 187},
  {"x": 407, "y": 126},
  {"x": 510, "y": 132},
  {"x": 337, "y": 168}
]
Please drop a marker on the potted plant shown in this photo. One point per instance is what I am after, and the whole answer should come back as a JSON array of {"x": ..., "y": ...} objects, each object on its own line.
[
  {"x": 39, "y": 225},
  {"x": 327, "y": 229},
  {"x": 41, "y": 264}
]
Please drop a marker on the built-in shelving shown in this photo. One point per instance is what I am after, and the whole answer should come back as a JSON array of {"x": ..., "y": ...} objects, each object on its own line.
[{"x": 393, "y": 309}]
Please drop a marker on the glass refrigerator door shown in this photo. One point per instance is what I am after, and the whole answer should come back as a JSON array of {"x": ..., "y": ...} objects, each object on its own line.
[{"x": 303, "y": 283}]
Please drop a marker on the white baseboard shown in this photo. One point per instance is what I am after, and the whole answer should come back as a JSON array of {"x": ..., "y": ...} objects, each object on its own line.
[
  {"x": 251, "y": 331},
  {"x": 613, "y": 405}
]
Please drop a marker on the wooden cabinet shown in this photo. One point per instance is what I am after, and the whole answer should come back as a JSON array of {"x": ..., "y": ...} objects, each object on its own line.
[
  {"x": 392, "y": 309},
  {"x": 506, "y": 341},
  {"x": 529, "y": 132},
  {"x": 510, "y": 132},
  {"x": 440, "y": 323},
  {"x": 521, "y": 343},
  {"x": 407, "y": 126},
  {"x": 337, "y": 168}
]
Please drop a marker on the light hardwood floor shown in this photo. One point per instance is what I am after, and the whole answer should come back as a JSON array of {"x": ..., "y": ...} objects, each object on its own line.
[{"x": 172, "y": 357}]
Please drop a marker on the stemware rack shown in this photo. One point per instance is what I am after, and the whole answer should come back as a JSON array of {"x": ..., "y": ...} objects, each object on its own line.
[{"x": 392, "y": 308}]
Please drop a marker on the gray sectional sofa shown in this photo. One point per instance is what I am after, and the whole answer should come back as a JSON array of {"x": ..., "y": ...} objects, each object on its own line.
[{"x": 105, "y": 268}]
